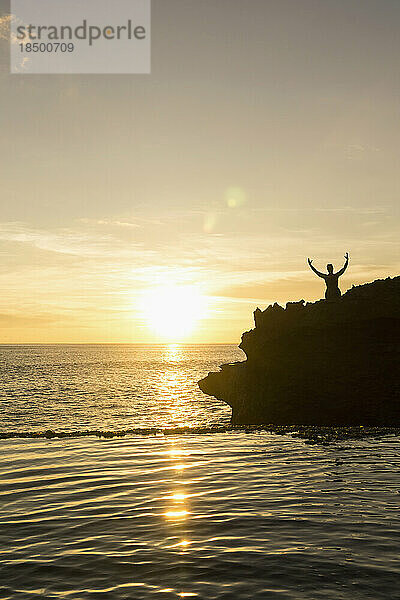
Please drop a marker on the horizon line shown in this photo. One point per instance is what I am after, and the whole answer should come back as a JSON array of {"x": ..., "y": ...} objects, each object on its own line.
[{"x": 117, "y": 343}]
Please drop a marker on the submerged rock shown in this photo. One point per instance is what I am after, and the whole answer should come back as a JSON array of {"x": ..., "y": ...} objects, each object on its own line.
[{"x": 319, "y": 363}]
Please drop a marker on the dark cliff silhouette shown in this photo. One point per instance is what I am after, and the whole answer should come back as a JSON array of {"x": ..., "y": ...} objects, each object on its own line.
[
  {"x": 332, "y": 293},
  {"x": 320, "y": 363}
]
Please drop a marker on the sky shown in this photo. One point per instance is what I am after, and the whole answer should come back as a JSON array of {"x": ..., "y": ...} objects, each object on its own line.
[{"x": 267, "y": 132}]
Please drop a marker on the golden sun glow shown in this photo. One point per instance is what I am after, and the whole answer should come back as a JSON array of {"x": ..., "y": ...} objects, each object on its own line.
[{"x": 172, "y": 312}]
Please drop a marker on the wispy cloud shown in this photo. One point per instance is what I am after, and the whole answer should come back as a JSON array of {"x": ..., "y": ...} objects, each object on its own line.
[
  {"x": 78, "y": 242},
  {"x": 94, "y": 271}
]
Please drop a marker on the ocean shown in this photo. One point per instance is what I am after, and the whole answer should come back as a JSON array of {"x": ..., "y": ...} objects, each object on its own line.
[{"x": 230, "y": 515}]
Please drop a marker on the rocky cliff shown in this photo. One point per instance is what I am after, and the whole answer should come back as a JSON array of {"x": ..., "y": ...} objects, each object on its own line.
[{"x": 319, "y": 363}]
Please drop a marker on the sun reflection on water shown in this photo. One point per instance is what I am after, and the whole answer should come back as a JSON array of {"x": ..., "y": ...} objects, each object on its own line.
[
  {"x": 174, "y": 353},
  {"x": 176, "y": 452},
  {"x": 171, "y": 388},
  {"x": 176, "y": 514},
  {"x": 179, "y": 497},
  {"x": 177, "y": 510}
]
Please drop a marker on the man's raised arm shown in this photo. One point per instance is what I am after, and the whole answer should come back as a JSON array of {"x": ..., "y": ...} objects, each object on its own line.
[
  {"x": 342, "y": 270},
  {"x": 314, "y": 269}
]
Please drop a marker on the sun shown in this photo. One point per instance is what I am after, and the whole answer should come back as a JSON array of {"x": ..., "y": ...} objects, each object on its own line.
[{"x": 172, "y": 312}]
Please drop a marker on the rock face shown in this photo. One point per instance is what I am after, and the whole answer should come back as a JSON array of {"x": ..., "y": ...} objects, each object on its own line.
[{"x": 319, "y": 363}]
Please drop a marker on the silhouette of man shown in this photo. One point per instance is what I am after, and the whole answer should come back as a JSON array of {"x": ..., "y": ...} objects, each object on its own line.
[{"x": 332, "y": 292}]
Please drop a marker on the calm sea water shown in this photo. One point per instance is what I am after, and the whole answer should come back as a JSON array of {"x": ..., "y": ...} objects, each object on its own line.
[
  {"x": 109, "y": 386},
  {"x": 227, "y": 516}
]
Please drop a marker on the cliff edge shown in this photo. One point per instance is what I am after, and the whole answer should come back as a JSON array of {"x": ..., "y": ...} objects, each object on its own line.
[{"x": 319, "y": 363}]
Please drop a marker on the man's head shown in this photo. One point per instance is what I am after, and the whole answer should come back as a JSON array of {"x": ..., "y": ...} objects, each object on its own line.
[{"x": 330, "y": 268}]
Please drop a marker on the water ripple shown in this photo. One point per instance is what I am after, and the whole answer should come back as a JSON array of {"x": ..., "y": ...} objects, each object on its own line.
[
  {"x": 109, "y": 386},
  {"x": 223, "y": 516}
]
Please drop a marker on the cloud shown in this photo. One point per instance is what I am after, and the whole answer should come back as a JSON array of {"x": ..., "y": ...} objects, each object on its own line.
[
  {"x": 95, "y": 266},
  {"x": 77, "y": 242},
  {"x": 12, "y": 320},
  {"x": 109, "y": 223}
]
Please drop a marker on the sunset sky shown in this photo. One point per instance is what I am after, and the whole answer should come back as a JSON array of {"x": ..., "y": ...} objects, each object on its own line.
[{"x": 267, "y": 132}]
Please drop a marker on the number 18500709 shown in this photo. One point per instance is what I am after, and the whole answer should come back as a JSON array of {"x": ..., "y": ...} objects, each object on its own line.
[{"x": 47, "y": 47}]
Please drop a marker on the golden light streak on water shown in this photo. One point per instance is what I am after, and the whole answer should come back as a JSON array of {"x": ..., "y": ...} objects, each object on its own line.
[
  {"x": 176, "y": 514},
  {"x": 179, "y": 497}
]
